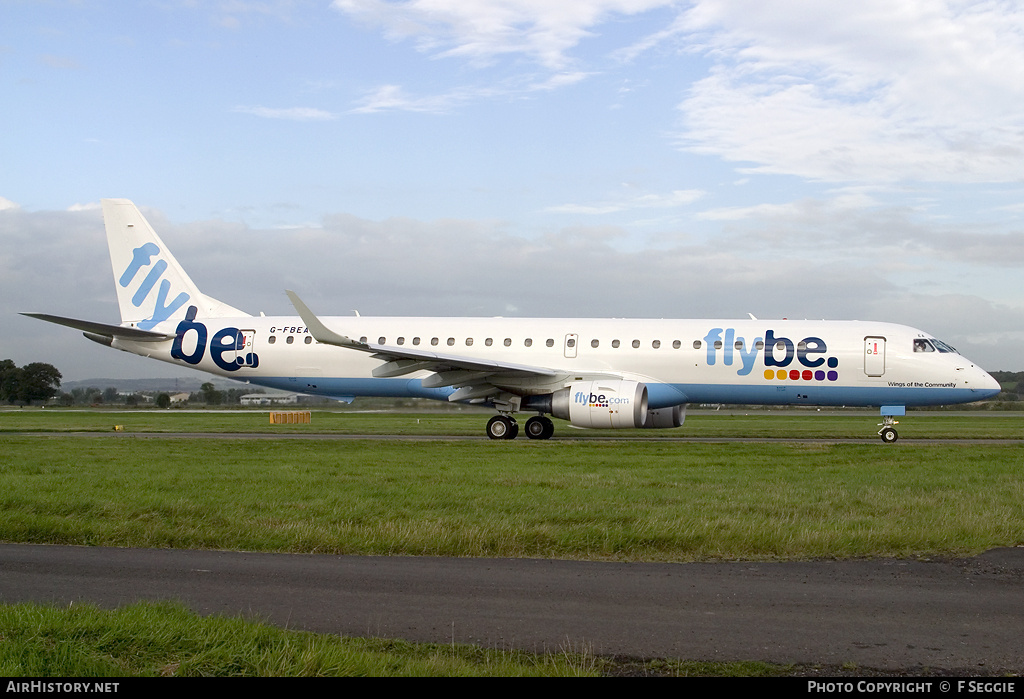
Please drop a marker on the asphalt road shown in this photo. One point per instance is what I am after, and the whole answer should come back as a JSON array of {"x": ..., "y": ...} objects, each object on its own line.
[{"x": 964, "y": 616}]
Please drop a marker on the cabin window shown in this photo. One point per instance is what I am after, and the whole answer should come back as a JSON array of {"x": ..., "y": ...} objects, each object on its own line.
[
  {"x": 800, "y": 345},
  {"x": 656, "y": 344},
  {"x": 433, "y": 341},
  {"x": 469, "y": 342},
  {"x": 636, "y": 344},
  {"x": 615, "y": 343},
  {"x": 308, "y": 340},
  {"x": 381, "y": 340},
  {"x": 508, "y": 342},
  {"x": 696, "y": 344},
  {"x": 401, "y": 340},
  {"x": 528, "y": 342},
  {"x": 363, "y": 339},
  {"x": 489, "y": 341},
  {"x": 272, "y": 339},
  {"x": 549, "y": 342},
  {"x": 594, "y": 343},
  {"x": 676, "y": 344},
  {"x": 759, "y": 344},
  {"x": 718, "y": 344},
  {"x": 778, "y": 345},
  {"x": 739, "y": 344},
  {"x": 451, "y": 341},
  {"x": 291, "y": 339},
  {"x": 415, "y": 341}
]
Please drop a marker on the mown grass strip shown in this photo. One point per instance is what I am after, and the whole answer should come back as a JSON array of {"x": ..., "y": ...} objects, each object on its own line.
[
  {"x": 597, "y": 500},
  {"x": 164, "y": 639}
]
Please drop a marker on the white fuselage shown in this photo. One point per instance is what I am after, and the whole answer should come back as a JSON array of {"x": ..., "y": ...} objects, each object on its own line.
[{"x": 681, "y": 361}]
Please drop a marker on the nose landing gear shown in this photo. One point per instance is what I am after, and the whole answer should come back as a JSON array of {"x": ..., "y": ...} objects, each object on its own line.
[{"x": 888, "y": 432}]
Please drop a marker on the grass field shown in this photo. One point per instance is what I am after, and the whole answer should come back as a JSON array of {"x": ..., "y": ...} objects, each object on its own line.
[
  {"x": 161, "y": 640},
  {"x": 580, "y": 496},
  {"x": 583, "y": 498}
]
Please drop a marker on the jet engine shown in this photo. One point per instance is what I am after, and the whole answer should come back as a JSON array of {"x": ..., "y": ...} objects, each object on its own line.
[{"x": 602, "y": 404}]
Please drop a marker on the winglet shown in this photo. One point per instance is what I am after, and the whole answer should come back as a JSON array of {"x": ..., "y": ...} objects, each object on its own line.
[{"x": 319, "y": 331}]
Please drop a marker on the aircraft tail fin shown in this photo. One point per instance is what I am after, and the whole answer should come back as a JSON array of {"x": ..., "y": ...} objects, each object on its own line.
[{"x": 151, "y": 286}]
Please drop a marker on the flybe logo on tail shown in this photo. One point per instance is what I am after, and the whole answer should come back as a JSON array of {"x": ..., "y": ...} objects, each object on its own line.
[
  {"x": 225, "y": 345},
  {"x": 777, "y": 354},
  {"x": 142, "y": 256}
]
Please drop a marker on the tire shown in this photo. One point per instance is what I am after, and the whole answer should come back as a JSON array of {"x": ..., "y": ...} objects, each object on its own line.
[
  {"x": 888, "y": 435},
  {"x": 539, "y": 427},
  {"x": 502, "y": 427}
]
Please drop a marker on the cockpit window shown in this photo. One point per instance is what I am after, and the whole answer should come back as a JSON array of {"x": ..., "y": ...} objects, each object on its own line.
[
  {"x": 943, "y": 347},
  {"x": 931, "y": 345}
]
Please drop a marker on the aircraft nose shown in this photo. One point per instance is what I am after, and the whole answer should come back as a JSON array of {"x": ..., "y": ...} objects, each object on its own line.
[{"x": 986, "y": 384}]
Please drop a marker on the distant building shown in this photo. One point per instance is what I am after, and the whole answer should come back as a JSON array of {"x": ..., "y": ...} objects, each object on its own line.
[{"x": 268, "y": 399}]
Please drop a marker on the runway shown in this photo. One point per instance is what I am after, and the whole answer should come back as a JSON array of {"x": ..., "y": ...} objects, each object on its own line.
[
  {"x": 963, "y": 616},
  {"x": 333, "y": 436}
]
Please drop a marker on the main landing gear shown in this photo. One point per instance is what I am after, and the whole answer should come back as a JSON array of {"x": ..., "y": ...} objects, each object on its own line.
[
  {"x": 506, "y": 427},
  {"x": 888, "y": 432}
]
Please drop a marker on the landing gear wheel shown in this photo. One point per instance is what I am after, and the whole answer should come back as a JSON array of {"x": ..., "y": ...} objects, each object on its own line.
[
  {"x": 539, "y": 427},
  {"x": 502, "y": 427},
  {"x": 888, "y": 432}
]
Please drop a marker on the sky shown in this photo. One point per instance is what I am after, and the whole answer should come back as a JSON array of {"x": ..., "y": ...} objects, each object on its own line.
[{"x": 598, "y": 158}]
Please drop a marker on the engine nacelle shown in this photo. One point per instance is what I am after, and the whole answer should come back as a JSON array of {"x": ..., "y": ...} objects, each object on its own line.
[{"x": 602, "y": 404}]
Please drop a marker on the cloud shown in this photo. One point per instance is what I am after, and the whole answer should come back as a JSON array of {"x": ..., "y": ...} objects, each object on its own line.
[
  {"x": 394, "y": 98},
  {"x": 482, "y": 30},
  {"x": 389, "y": 98},
  {"x": 60, "y": 62},
  {"x": 91, "y": 206},
  {"x": 677, "y": 198},
  {"x": 876, "y": 91},
  {"x": 290, "y": 114}
]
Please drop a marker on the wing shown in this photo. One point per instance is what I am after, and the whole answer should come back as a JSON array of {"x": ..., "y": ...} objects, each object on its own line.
[{"x": 473, "y": 377}]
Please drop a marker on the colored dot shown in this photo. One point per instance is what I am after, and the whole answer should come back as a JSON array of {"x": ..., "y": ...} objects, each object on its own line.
[
  {"x": 833, "y": 376},
  {"x": 819, "y": 375},
  {"x": 795, "y": 374},
  {"x": 782, "y": 374},
  {"x": 769, "y": 374},
  {"x": 807, "y": 375},
  {"x": 833, "y": 362}
]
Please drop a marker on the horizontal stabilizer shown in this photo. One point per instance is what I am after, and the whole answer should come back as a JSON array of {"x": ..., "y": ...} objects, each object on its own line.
[{"x": 103, "y": 329}]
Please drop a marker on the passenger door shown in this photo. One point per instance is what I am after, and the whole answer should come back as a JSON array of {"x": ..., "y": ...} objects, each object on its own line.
[{"x": 874, "y": 356}]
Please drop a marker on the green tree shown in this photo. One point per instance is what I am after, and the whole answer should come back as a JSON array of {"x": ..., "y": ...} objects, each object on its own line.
[
  {"x": 9, "y": 375},
  {"x": 211, "y": 396},
  {"x": 38, "y": 381},
  {"x": 163, "y": 401}
]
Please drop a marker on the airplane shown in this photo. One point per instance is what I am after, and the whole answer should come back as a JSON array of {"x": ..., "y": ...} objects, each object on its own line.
[{"x": 594, "y": 373}]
